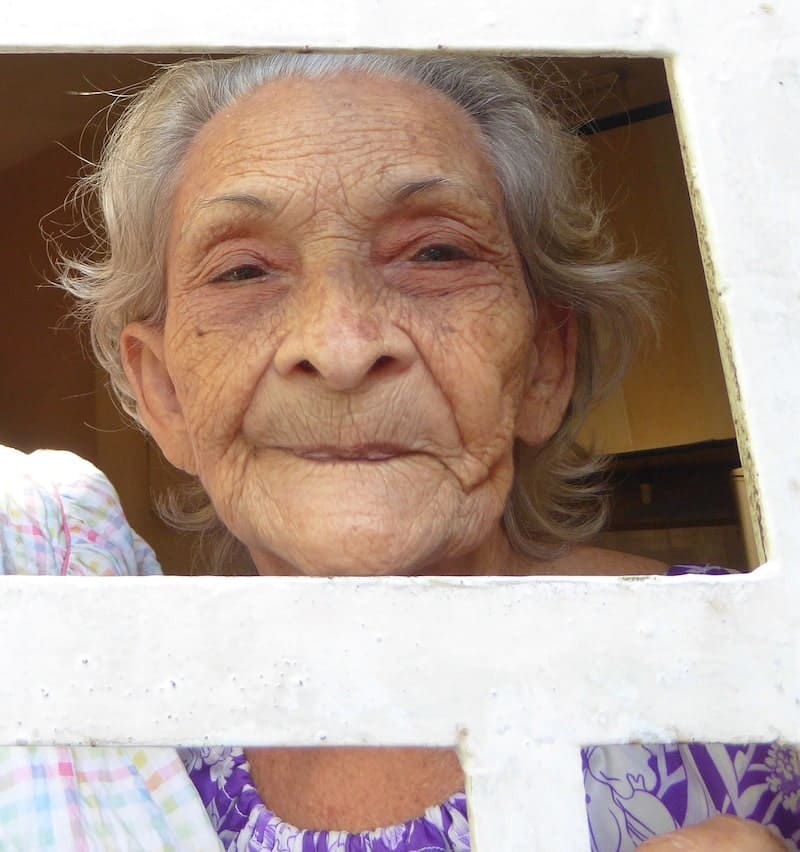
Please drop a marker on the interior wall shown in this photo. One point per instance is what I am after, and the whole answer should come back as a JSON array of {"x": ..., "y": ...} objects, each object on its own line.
[
  {"x": 675, "y": 390},
  {"x": 46, "y": 380},
  {"x": 712, "y": 545}
]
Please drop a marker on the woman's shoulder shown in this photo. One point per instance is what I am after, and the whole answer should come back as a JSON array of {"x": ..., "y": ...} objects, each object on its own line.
[
  {"x": 585, "y": 561},
  {"x": 59, "y": 514},
  {"x": 595, "y": 561}
]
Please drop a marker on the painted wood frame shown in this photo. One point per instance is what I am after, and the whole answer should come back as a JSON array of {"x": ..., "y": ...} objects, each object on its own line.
[{"x": 517, "y": 673}]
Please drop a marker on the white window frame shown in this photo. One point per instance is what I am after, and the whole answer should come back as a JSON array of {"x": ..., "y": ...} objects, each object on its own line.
[{"x": 518, "y": 673}]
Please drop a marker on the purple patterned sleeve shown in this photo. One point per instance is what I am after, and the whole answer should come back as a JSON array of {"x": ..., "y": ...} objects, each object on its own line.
[{"x": 634, "y": 792}]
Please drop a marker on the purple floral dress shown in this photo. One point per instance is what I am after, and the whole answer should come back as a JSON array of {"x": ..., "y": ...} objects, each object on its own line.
[
  {"x": 633, "y": 792},
  {"x": 245, "y": 824}
]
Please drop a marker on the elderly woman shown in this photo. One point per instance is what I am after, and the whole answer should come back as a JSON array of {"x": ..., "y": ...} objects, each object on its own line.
[{"x": 350, "y": 295}]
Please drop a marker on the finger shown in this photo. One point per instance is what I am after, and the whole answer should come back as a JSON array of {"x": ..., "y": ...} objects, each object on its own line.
[{"x": 721, "y": 834}]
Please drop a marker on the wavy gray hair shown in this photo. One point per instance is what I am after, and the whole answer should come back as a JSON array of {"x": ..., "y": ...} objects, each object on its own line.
[{"x": 568, "y": 256}]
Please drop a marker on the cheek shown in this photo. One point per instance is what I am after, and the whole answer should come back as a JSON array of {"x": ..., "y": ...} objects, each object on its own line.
[
  {"x": 478, "y": 355},
  {"x": 502, "y": 336},
  {"x": 215, "y": 364}
]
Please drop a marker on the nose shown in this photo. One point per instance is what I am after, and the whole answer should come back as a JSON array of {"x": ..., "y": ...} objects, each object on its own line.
[{"x": 342, "y": 341}]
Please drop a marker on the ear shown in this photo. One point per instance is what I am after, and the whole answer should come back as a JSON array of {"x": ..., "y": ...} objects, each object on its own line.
[
  {"x": 142, "y": 349},
  {"x": 551, "y": 377}
]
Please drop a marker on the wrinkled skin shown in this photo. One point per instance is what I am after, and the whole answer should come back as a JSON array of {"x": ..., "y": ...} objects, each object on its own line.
[
  {"x": 349, "y": 353},
  {"x": 350, "y": 348}
]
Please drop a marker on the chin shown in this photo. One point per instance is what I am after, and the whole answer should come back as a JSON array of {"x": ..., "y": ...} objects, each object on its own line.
[
  {"x": 372, "y": 547},
  {"x": 349, "y": 530},
  {"x": 350, "y": 544},
  {"x": 363, "y": 552}
]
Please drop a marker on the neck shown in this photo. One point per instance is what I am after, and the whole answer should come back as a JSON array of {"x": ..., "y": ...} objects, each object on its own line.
[{"x": 353, "y": 789}]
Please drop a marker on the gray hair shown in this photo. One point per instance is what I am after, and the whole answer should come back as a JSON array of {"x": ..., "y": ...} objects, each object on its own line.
[{"x": 568, "y": 256}]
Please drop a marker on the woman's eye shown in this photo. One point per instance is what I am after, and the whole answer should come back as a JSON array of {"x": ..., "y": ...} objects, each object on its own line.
[
  {"x": 245, "y": 272},
  {"x": 439, "y": 254}
]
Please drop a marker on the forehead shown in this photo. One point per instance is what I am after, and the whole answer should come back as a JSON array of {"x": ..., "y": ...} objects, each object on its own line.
[{"x": 345, "y": 134}]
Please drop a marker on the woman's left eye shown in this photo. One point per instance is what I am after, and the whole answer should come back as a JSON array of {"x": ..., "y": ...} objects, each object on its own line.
[
  {"x": 246, "y": 272},
  {"x": 440, "y": 254}
]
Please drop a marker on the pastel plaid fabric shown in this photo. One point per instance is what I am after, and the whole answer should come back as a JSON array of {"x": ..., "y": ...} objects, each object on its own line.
[
  {"x": 98, "y": 799},
  {"x": 60, "y": 515}
]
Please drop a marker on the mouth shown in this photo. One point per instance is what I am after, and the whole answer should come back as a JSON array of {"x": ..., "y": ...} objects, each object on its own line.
[{"x": 359, "y": 453}]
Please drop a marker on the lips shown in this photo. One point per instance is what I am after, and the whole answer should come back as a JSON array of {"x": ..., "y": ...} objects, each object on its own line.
[{"x": 361, "y": 453}]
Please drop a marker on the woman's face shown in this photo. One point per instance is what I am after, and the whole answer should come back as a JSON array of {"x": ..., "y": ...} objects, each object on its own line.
[{"x": 349, "y": 348}]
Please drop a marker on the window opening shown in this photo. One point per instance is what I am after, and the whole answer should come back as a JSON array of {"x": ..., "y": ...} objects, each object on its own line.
[{"x": 667, "y": 423}]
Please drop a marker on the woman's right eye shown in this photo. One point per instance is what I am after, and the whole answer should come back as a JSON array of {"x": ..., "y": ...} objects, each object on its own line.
[{"x": 236, "y": 274}]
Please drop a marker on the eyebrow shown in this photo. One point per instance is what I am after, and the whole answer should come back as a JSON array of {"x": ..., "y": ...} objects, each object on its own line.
[
  {"x": 398, "y": 195},
  {"x": 407, "y": 190},
  {"x": 261, "y": 204},
  {"x": 418, "y": 187}
]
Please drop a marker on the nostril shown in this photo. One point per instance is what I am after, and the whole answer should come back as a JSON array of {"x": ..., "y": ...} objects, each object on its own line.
[
  {"x": 345, "y": 370},
  {"x": 380, "y": 363}
]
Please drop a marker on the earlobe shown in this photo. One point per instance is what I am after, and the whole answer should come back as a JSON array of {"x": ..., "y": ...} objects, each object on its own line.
[
  {"x": 551, "y": 379},
  {"x": 142, "y": 350}
]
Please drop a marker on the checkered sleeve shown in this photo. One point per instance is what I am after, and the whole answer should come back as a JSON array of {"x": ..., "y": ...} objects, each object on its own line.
[
  {"x": 84, "y": 799},
  {"x": 60, "y": 515}
]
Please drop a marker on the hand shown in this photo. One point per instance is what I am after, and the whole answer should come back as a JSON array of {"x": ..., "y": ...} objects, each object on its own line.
[{"x": 721, "y": 834}]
